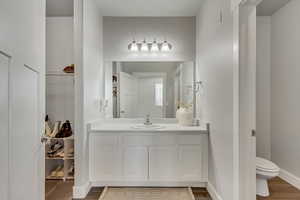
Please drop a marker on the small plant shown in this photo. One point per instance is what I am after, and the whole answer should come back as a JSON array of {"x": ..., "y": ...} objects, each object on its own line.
[{"x": 184, "y": 105}]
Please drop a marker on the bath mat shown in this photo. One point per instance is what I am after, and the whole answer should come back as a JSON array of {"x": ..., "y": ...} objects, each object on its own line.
[{"x": 130, "y": 193}]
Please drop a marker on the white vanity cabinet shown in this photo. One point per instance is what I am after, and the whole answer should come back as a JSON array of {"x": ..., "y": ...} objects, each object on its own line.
[
  {"x": 163, "y": 163},
  {"x": 191, "y": 162},
  {"x": 148, "y": 159},
  {"x": 135, "y": 163},
  {"x": 105, "y": 158}
]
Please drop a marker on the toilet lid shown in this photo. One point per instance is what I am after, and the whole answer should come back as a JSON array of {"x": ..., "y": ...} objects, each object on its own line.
[{"x": 266, "y": 165}]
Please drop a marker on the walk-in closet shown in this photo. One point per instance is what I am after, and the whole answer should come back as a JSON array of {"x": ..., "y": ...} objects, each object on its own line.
[{"x": 60, "y": 81}]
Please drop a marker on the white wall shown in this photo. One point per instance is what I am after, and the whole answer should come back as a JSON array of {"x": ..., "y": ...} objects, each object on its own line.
[
  {"x": 215, "y": 66},
  {"x": 89, "y": 89},
  {"x": 59, "y": 39},
  {"x": 285, "y": 87},
  {"x": 263, "y": 87},
  {"x": 59, "y": 54},
  {"x": 120, "y": 31},
  {"x": 93, "y": 60}
]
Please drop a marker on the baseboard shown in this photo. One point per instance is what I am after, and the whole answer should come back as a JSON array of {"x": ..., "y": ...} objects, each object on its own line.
[
  {"x": 213, "y": 192},
  {"x": 290, "y": 178},
  {"x": 148, "y": 184},
  {"x": 80, "y": 192}
]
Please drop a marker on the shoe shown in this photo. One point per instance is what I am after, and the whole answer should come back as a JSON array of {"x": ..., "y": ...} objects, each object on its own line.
[
  {"x": 55, "y": 129},
  {"x": 54, "y": 173},
  {"x": 68, "y": 130},
  {"x": 71, "y": 170},
  {"x": 60, "y": 153},
  {"x": 54, "y": 149},
  {"x": 71, "y": 152},
  {"x": 65, "y": 131},
  {"x": 69, "y": 69},
  {"x": 48, "y": 130},
  {"x": 60, "y": 172}
]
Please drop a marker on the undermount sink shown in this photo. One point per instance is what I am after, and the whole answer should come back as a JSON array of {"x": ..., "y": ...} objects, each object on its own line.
[{"x": 148, "y": 127}]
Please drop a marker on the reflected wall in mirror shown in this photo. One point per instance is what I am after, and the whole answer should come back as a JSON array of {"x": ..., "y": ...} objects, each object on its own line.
[{"x": 137, "y": 89}]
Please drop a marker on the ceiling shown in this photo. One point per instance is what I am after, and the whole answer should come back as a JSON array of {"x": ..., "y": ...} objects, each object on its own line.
[
  {"x": 59, "y": 8},
  {"x": 149, "y": 8},
  {"x": 269, "y": 7}
]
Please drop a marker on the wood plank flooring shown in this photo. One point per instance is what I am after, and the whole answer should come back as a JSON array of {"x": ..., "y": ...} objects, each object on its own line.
[
  {"x": 281, "y": 190},
  {"x": 58, "y": 190}
]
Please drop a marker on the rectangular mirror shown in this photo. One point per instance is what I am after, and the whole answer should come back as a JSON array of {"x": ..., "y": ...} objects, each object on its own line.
[{"x": 137, "y": 89}]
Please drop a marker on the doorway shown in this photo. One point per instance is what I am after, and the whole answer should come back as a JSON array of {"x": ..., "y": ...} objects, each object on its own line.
[
  {"x": 277, "y": 100},
  {"x": 266, "y": 35},
  {"x": 60, "y": 103}
]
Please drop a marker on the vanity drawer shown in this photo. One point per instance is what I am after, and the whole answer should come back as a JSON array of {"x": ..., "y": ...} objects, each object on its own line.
[{"x": 137, "y": 140}]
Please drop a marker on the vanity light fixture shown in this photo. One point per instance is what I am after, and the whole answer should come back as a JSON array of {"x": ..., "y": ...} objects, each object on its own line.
[
  {"x": 133, "y": 46},
  {"x": 144, "y": 46},
  {"x": 154, "y": 46},
  {"x": 166, "y": 46}
]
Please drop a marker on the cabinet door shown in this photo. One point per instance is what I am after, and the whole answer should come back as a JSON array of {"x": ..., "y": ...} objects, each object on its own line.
[
  {"x": 105, "y": 158},
  {"x": 190, "y": 162},
  {"x": 135, "y": 163},
  {"x": 163, "y": 161}
]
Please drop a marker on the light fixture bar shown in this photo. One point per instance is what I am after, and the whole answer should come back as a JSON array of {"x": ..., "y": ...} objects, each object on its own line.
[{"x": 152, "y": 47}]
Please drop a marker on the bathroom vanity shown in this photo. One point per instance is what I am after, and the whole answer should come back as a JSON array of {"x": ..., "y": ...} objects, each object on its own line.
[{"x": 124, "y": 153}]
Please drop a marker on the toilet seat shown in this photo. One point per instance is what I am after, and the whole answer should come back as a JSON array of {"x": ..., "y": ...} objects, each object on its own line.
[
  {"x": 266, "y": 165},
  {"x": 265, "y": 170}
]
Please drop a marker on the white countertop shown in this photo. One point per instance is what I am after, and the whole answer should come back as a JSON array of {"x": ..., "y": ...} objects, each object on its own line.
[{"x": 129, "y": 127}]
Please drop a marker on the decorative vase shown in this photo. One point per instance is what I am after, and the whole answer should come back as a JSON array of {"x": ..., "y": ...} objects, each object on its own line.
[{"x": 184, "y": 117}]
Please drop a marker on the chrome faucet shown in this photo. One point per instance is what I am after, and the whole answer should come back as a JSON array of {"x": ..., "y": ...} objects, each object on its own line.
[{"x": 147, "y": 120}]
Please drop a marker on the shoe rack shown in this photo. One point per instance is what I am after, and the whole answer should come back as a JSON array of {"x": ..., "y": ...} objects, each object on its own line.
[
  {"x": 59, "y": 107},
  {"x": 60, "y": 164}
]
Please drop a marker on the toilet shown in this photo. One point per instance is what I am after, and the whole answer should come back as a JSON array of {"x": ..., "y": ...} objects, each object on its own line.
[{"x": 265, "y": 170}]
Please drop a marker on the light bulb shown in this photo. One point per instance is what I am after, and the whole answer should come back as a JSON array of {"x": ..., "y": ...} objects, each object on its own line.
[
  {"x": 133, "y": 46},
  {"x": 166, "y": 46},
  {"x": 154, "y": 46},
  {"x": 144, "y": 46}
]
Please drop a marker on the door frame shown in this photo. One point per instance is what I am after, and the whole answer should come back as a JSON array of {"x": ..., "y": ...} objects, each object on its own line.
[
  {"x": 9, "y": 57},
  {"x": 162, "y": 75},
  {"x": 244, "y": 57}
]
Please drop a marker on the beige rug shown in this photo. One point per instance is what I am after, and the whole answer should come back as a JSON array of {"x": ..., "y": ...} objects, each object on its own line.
[{"x": 147, "y": 194}]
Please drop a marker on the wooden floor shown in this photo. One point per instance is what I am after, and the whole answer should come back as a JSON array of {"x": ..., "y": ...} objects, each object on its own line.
[
  {"x": 58, "y": 190},
  {"x": 281, "y": 190}
]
